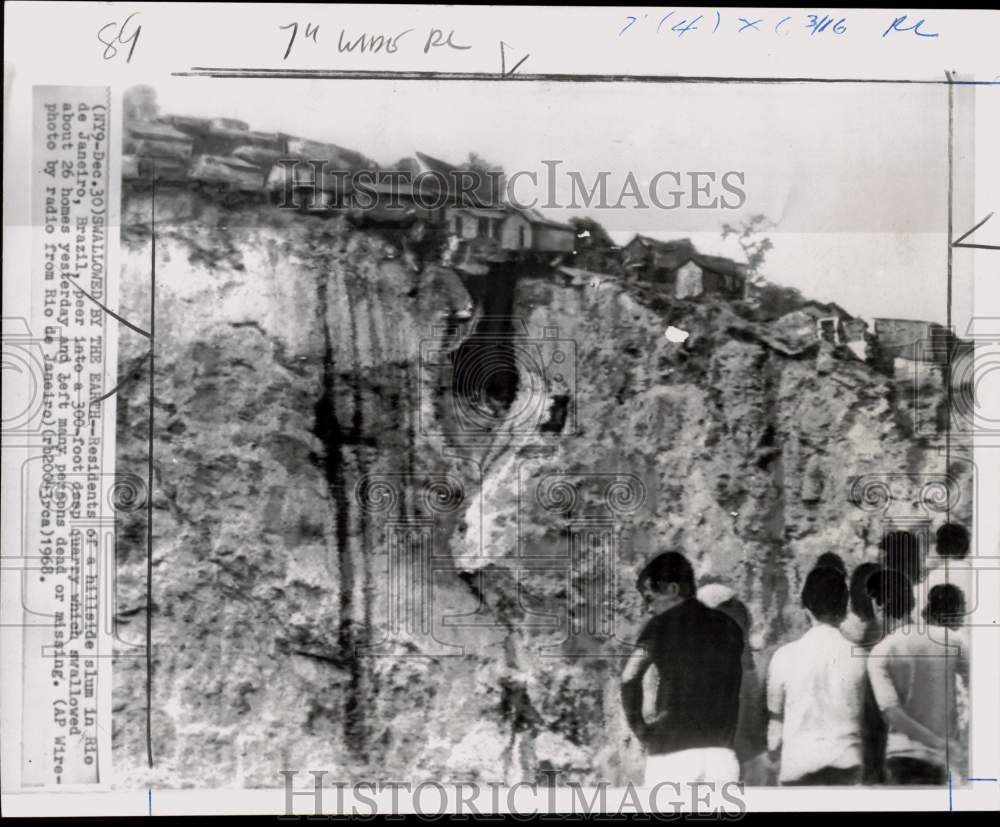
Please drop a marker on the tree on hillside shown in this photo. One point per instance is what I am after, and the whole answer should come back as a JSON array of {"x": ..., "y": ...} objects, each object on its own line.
[{"x": 755, "y": 245}]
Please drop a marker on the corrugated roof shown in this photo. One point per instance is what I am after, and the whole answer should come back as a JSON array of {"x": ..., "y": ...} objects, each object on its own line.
[
  {"x": 228, "y": 161},
  {"x": 667, "y": 246},
  {"x": 156, "y": 130}
]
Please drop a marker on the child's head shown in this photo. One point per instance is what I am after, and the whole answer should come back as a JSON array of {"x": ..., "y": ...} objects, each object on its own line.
[{"x": 945, "y": 606}]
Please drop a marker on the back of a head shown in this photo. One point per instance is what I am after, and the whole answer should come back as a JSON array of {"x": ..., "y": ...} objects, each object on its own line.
[
  {"x": 952, "y": 541},
  {"x": 831, "y": 560},
  {"x": 825, "y": 594},
  {"x": 861, "y": 602},
  {"x": 901, "y": 552},
  {"x": 894, "y": 591},
  {"x": 665, "y": 568},
  {"x": 945, "y": 605}
]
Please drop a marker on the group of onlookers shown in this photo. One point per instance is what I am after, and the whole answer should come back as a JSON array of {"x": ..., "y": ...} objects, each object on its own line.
[{"x": 871, "y": 693}]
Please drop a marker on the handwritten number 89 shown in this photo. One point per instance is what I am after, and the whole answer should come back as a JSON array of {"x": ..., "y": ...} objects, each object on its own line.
[{"x": 112, "y": 40}]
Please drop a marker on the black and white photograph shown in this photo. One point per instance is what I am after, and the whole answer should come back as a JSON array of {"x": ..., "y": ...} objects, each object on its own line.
[{"x": 436, "y": 430}]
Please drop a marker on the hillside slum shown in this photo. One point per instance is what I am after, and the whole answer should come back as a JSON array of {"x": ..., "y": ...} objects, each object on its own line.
[{"x": 456, "y": 215}]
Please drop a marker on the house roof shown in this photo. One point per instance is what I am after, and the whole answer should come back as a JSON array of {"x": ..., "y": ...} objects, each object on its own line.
[
  {"x": 157, "y": 131},
  {"x": 719, "y": 264},
  {"x": 483, "y": 193},
  {"x": 436, "y": 164},
  {"x": 230, "y": 123},
  {"x": 684, "y": 251},
  {"x": 398, "y": 188},
  {"x": 887, "y": 326},
  {"x": 481, "y": 212},
  {"x": 188, "y": 123},
  {"x": 537, "y": 217},
  {"x": 827, "y": 309},
  {"x": 320, "y": 150},
  {"x": 671, "y": 246},
  {"x": 229, "y": 161}
]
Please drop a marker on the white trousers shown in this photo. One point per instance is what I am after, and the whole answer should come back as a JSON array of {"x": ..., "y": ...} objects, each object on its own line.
[{"x": 715, "y": 764}]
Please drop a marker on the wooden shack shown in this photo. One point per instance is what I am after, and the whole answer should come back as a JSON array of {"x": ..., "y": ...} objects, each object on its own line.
[{"x": 682, "y": 270}]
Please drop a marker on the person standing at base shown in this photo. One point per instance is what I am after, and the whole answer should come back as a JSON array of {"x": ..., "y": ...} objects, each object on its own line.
[
  {"x": 697, "y": 653},
  {"x": 913, "y": 678},
  {"x": 816, "y": 689},
  {"x": 949, "y": 565},
  {"x": 864, "y": 627},
  {"x": 749, "y": 741}
]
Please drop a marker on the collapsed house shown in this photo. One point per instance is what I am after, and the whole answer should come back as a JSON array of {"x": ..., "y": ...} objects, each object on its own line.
[{"x": 836, "y": 326}]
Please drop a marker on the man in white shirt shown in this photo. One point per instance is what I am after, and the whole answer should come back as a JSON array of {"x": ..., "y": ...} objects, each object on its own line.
[
  {"x": 913, "y": 678},
  {"x": 816, "y": 689}
]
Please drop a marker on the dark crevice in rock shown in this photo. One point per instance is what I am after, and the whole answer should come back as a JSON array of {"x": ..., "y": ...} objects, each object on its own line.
[
  {"x": 330, "y": 432},
  {"x": 484, "y": 367}
]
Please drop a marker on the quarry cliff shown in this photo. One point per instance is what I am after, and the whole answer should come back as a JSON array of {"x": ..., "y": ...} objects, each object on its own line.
[{"x": 393, "y": 542}]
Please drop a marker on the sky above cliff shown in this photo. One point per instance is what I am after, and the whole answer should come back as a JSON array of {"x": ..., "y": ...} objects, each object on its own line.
[{"x": 854, "y": 177}]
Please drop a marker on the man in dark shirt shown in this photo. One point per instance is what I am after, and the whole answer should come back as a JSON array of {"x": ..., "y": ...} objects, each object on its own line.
[{"x": 696, "y": 652}]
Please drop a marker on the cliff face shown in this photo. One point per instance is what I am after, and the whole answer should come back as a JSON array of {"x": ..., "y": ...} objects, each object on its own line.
[{"x": 374, "y": 558}]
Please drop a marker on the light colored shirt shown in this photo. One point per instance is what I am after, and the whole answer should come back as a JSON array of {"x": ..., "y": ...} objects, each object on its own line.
[
  {"x": 916, "y": 673},
  {"x": 817, "y": 683}
]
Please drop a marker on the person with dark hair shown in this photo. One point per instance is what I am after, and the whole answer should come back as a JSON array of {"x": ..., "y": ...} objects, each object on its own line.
[
  {"x": 816, "y": 693},
  {"x": 696, "y": 652},
  {"x": 831, "y": 560},
  {"x": 913, "y": 677},
  {"x": 945, "y": 606},
  {"x": 952, "y": 541},
  {"x": 946, "y": 610},
  {"x": 863, "y": 628},
  {"x": 948, "y": 566}
]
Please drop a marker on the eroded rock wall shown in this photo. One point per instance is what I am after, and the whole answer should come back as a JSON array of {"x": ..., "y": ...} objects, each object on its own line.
[{"x": 359, "y": 569}]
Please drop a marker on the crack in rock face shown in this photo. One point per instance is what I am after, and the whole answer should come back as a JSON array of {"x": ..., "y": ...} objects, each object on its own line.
[{"x": 397, "y": 538}]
